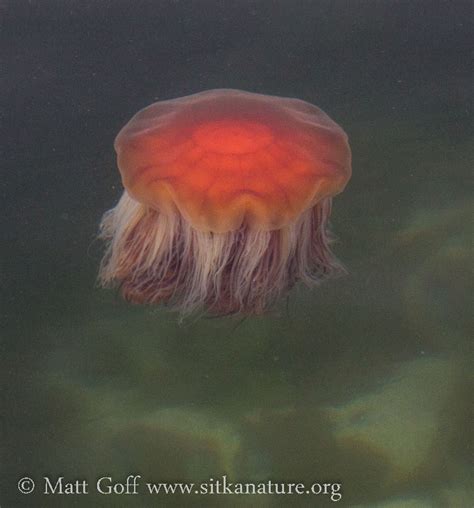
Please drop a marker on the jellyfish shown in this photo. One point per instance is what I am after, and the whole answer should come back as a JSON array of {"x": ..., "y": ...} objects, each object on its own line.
[{"x": 227, "y": 196}]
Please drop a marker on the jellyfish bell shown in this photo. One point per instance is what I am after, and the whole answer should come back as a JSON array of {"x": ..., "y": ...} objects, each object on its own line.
[{"x": 226, "y": 202}]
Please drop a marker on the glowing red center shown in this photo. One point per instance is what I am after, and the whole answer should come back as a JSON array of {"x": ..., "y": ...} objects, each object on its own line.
[{"x": 232, "y": 136}]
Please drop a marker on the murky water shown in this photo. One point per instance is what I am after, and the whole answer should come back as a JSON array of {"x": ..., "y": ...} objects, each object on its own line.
[{"x": 365, "y": 382}]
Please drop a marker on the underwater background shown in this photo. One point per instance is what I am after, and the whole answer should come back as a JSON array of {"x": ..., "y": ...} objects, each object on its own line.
[{"x": 366, "y": 381}]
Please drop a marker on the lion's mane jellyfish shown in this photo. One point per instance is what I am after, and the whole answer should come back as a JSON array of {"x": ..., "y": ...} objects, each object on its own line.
[{"x": 226, "y": 202}]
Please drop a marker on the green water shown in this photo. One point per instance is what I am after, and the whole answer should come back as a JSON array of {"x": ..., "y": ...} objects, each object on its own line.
[{"x": 365, "y": 382}]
